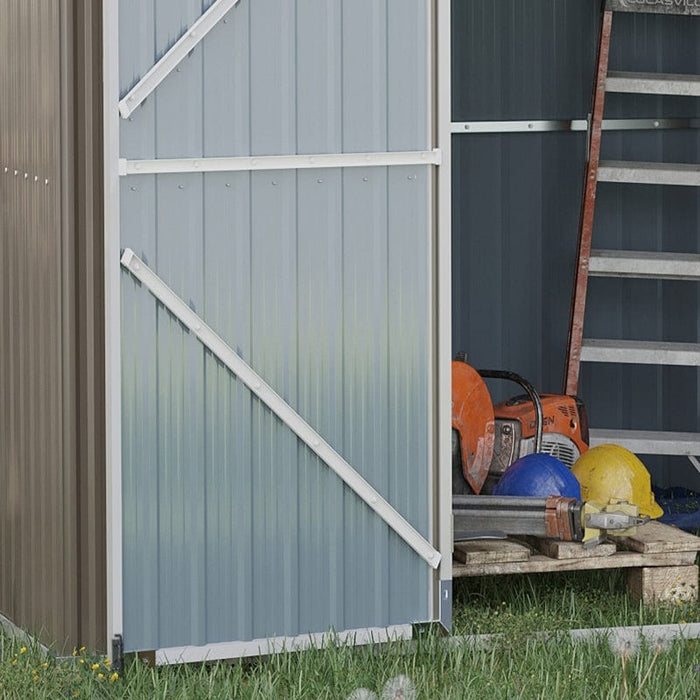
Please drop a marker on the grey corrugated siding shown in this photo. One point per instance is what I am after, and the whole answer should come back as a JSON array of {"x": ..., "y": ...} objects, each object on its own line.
[
  {"x": 52, "y": 571},
  {"x": 517, "y": 201},
  {"x": 319, "y": 279}
]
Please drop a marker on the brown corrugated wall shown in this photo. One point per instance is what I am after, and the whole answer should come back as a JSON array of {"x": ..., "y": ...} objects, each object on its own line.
[{"x": 52, "y": 541}]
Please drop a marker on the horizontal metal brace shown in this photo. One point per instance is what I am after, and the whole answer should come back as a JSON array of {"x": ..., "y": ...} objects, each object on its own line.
[
  {"x": 174, "y": 56},
  {"x": 649, "y": 442},
  {"x": 540, "y": 125},
  {"x": 662, "y": 7},
  {"x": 643, "y": 352},
  {"x": 313, "y": 440},
  {"x": 290, "y": 162}
]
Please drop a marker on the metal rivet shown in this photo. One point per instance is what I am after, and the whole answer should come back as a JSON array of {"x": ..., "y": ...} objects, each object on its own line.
[
  {"x": 133, "y": 189},
  {"x": 46, "y": 182},
  {"x": 364, "y": 179},
  {"x": 656, "y": 123},
  {"x": 530, "y": 126},
  {"x": 181, "y": 187},
  {"x": 26, "y": 176},
  {"x": 6, "y": 169},
  {"x": 196, "y": 164},
  {"x": 319, "y": 180},
  {"x": 36, "y": 178},
  {"x": 178, "y": 70},
  {"x": 137, "y": 266},
  {"x": 228, "y": 184},
  {"x": 130, "y": 98},
  {"x": 225, "y": 21},
  {"x": 16, "y": 173},
  {"x": 198, "y": 327},
  {"x": 257, "y": 385},
  {"x": 274, "y": 182},
  {"x": 131, "y": 119},
  {"x": 466, "y": 127}
]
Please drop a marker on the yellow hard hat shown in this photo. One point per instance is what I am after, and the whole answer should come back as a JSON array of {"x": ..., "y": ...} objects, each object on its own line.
[{"x": 613, "y": 474}]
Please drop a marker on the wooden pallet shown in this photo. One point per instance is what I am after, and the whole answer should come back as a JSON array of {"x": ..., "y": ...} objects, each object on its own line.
[{"x": 660, "y": 560}]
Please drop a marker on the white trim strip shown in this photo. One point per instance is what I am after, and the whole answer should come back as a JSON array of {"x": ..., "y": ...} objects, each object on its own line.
[
  {"x": 112, "y": 329},
  {"x": 275, "y": 645},
  {"x": 208, "y": 337},
  {"x": 290, "y": 162},
  {"x": 540, "y": 125},
  {"x": 621, "y": 639},
  {"x": 172, "y": 58}
]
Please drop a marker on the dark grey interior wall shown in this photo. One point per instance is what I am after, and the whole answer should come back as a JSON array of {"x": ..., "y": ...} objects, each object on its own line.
[{"x": 517, "y": 200}]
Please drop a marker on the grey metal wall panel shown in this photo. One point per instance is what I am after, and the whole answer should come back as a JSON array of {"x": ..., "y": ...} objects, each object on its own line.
[
  {"x": 321, "y": 280},
  {"x": 517, "y": 200},
  {"x": 344, "y": 99}
]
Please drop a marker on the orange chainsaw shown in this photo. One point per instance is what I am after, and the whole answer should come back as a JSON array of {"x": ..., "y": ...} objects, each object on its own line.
[{"x": 487, "y": 439}]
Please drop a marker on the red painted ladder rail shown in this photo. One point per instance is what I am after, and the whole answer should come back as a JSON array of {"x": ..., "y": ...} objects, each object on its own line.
[{"x": 632, "y": 264}]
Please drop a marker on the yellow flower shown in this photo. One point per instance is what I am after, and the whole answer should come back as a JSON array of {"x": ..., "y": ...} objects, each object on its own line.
[
  {"x": 94, "y": 667},
  {"x": 101, "y": 676},
  {"x": 36, "y": 678},
  {"x": 23, "y": 650},
  {"x": 113, "y": 677},
  {"x": 75, "y": 652},
  {"x": 81, "y": 661},
  {"x": 45, "y": 665},
  {"x": 107, "y": 662},
  {"x": 81, "y": 650},
  {"x": 14, "y": 661}
]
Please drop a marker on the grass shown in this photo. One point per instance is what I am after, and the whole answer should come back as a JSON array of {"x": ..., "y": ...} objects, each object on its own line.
[
  {"x": 518, "y": 665},
  {"x": 554, "y": 601}
]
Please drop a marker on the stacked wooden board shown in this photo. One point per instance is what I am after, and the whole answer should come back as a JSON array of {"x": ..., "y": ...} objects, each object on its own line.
[{"x": 660, "y": 560}]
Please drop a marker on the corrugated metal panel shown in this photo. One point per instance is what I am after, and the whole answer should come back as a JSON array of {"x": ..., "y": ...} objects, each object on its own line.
[
  {"x": 233, "y": 530},
  {"x": 517, "y": 200},
  {"x": 51, "y": 464}
]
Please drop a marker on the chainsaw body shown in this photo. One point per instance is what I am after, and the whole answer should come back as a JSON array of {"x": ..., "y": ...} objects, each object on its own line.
[
  {"x": 564, "y": 431},
  {"x": 486, "y": 440}
]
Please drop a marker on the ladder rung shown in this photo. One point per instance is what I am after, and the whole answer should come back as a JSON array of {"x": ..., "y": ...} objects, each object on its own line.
[
  {"x": 660, "y": 7},
  {"x": 650, "y": 173},
  {"x": 653, "y": 83},
  {"x": 641, "y": 352},
  {"x": 648, "y": 442},
  {"x": 643, "y": 264}
]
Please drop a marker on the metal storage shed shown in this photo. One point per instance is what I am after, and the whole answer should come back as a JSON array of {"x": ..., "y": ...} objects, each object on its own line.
[
  {"x": 276, "y": 395},
  {"x": 366, "y": 366}
]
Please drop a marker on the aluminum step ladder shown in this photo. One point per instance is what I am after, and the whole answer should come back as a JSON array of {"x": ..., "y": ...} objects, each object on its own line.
[{"x": 632, "y": 264}]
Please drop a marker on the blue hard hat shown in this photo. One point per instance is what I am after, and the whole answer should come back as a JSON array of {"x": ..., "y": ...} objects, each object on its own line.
[{"x": 538, "y": 475}]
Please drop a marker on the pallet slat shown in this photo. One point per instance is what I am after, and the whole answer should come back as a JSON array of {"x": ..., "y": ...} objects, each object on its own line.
[
  {"x": 490, "y": 552},
  {"x": 656, "y": 537},
  {"x": 538, "y": 563}
]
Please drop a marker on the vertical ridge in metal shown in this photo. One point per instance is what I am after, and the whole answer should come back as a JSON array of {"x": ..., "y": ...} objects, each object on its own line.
[
  {"x": 313, "y": 440},
  {"x": 578, "y": 302}
]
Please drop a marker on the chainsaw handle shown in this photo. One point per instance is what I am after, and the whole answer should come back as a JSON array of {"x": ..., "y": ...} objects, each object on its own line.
[{"x": 531, "y": 392}]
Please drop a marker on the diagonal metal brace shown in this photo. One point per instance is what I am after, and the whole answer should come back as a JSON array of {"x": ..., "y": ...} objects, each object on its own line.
[
  {"x": 313, "y": 440},
  {"x": 172, "y": 58}
]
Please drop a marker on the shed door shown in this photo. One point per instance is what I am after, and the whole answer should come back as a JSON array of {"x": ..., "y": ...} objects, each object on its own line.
[{"x": 318, "y": 277}]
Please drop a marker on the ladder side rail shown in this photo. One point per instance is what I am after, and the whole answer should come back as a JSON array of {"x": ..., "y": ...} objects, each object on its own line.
[{"x": 578, "y": 303}]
